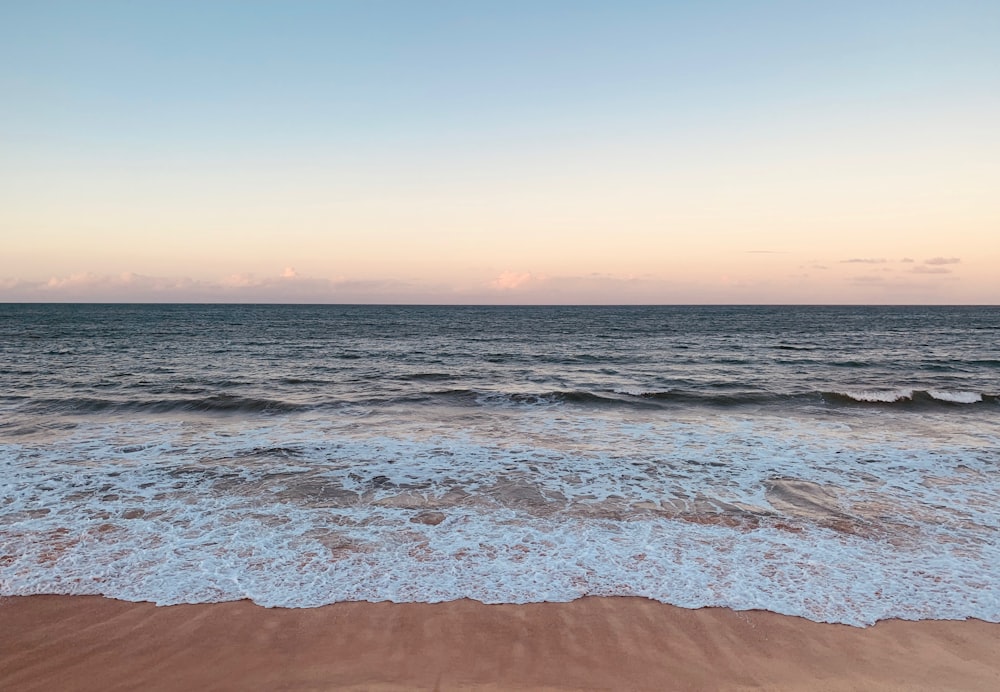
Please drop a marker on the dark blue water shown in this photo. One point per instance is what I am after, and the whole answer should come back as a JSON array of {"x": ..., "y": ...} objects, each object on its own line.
[
  {"x": 839, "y": 463},
  {"x": 105, "y": 358}
]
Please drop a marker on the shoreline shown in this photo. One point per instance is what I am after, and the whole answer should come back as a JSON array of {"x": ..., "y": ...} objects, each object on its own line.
[{"x": 594, "y": 643}]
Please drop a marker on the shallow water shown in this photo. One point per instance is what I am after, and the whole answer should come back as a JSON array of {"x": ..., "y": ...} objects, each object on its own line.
[{"x": 835, "y": 463}]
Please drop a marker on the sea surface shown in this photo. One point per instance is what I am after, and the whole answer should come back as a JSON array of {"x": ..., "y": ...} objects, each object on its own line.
[{"x": 837, "y": 463}]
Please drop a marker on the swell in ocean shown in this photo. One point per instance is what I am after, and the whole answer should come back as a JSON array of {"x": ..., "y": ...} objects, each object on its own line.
[{"x": 227, "y": 403}]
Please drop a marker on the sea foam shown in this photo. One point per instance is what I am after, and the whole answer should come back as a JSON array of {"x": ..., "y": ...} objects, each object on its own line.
[
  {"x": 957, "y": 397},
  {"x": 823, "y": 520}
]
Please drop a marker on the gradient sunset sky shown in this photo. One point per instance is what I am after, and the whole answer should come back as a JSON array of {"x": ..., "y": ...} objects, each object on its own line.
[{"x": 500, "y": 152}]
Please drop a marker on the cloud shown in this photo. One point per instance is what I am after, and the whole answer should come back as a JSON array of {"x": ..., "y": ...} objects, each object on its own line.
[
  {"x": 935, "y": 265},
  {"x": 899, "y": 286},
  {"x": 289, "y": 286},
  {"x": 907, "y": 260},
  {"x": 239, "y": 281},
  {"x": 868, "y": 260},
  {"x": 937, "y": 261},
  {"x": 241, "y": 288},
  {"x": 509, "y": 287},
  {"x": 11, "y": 284},
  {"x": 126, "y": 281},
  {"x": 596, "y": 288},
  {"x": 508, "y": 280}
]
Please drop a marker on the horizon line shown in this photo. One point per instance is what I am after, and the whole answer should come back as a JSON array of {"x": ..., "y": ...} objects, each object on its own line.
[{"x": 512, "y": 305}]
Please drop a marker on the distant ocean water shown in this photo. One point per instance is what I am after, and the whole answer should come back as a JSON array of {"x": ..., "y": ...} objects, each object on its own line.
[{"x": 837, "y": 463}]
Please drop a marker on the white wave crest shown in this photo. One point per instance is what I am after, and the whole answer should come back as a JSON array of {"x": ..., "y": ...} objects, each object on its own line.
[
  {"x": 956, "y": 397},
  {"x": 881, "y": 396}
]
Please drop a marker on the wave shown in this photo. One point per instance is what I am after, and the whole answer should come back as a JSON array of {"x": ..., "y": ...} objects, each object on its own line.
[
  {"x": 221, "y": 403},
  {"x": 909, "y": 397},
  {"x": 742, "y": 397},
  {"x": 900, "y": 398},
  {"x": 749, "y": 397},
  {"x": 956, "y": 397},
  {"x": 424, "y": 377},
  {"x": 890, "y": 396}
]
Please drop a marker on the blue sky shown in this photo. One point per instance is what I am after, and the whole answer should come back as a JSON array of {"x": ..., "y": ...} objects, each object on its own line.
[{"x": 438, "y": 146}]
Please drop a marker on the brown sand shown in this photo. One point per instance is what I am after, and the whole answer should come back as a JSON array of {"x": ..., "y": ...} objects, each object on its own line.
[{"x": 92, "y": 643}]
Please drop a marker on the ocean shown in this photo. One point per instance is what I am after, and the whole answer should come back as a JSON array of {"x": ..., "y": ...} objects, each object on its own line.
[{"x": 837, "y": 463}]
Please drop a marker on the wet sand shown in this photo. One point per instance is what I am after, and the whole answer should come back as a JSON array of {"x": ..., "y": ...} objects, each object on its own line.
[{"x": 92, "y": 643}]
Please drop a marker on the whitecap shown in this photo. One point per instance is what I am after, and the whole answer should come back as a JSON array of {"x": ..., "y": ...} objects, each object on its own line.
[
  {"x": 956, "y": 397},
  {"x": 881, "y": 396}
]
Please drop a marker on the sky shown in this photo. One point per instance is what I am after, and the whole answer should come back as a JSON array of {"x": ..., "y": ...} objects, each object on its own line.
[{"x": 500, "y": 152}]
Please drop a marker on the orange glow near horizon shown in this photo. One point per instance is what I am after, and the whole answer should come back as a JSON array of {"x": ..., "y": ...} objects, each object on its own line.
[{"x": 832, "y": 166}]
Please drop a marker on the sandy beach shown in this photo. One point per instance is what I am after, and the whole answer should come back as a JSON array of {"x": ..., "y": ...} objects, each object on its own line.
[{"x": 93, "y": 643}]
